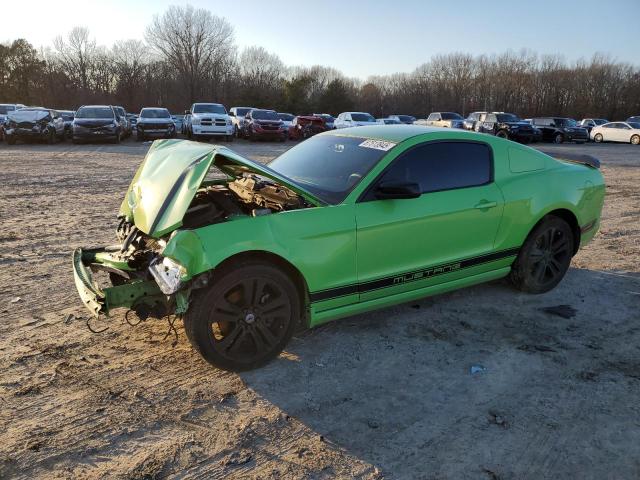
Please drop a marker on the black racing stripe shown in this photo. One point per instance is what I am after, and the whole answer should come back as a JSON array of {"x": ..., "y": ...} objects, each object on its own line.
[
  {"x": 333, "y": 293},
  {"x": 412, "y": 276}
]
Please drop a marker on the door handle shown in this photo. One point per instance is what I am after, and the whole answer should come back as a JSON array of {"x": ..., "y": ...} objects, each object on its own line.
[{"x": 485, "y": 204}]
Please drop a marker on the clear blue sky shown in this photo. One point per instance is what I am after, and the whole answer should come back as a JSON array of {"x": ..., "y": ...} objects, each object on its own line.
[{"x": 358, "y": 37}]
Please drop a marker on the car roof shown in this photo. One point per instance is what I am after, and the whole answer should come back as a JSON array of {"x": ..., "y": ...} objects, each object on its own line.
[
  {"x": 390, "y": 133},
  {"x": 96, "y": 106}
]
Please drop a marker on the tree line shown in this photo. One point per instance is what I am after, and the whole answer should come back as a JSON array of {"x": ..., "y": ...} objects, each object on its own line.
[{"x": 189, "y": 55}]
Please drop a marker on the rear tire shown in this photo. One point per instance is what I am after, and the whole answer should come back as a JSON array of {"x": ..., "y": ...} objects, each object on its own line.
[
  {"x": 558, "y": 138},
  {"x": 245, "y": 317},
  {"x": 544, "y": 257},
  {"x": 502, "y": 134},
  {"x": 635, "y": 140}
]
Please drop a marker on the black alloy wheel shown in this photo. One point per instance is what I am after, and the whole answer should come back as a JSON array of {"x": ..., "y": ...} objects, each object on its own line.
[
  {"x": 545, "y": 256},
  {"x": 245, "y": 318}
]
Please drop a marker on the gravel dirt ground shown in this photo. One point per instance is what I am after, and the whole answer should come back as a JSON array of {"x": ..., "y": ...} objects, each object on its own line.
[{"x": 388, "y": 394}]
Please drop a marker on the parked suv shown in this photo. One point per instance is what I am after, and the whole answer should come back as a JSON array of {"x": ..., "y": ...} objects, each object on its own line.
[
  {"x": 155, "y": 123},
  {"x": 509, "y": 125},
  {"x": 5, "y": 108},
  {"x": 207, "y": 120},
  {"x": 558, "y": 129},
  {"x": 260, "y": 123},
  {"x": 354, "y": 119},
  {"x": 96, "y": 122},
  {"x": 34, "y": 124},
  {"x": 444, "y": 119},
  {"x": 237, "y": 115}
]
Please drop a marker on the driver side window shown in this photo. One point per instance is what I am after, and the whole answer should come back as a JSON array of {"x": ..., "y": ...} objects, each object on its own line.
[{"x": 437, "y": 166}]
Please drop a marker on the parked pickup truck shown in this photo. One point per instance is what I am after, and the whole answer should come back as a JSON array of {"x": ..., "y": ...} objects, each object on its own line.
[
  {"x": 207, "y": 120},
  {"x": 444, "y": 119}
]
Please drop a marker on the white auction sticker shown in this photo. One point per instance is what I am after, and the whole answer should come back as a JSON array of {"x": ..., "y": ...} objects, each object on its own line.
[{"x": 378, "y": 145}]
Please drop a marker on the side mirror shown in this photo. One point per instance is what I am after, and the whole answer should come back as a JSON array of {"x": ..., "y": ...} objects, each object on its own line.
[
  {"x": 347, "y": 119},
  {"x": 397, "y": 190},
  {"x": 231, "y": 114},
  {"x": 187, "y": 112}
]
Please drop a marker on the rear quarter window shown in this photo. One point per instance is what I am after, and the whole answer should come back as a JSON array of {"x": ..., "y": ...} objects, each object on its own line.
[{"x": 521, "y": 160}]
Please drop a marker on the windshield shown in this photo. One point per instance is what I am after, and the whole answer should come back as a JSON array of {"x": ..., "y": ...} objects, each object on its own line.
[
  {"x": 362, "y": 117},
  {"x": 4, "y": 109},
  {"x": 285, "y": 116},
  {"x": 209, "y": 108},
  {"x": 600, "y": 121},
  {"x": 634, "y": 125},
  {"x": 451, "y": 116},
  {"x": 329, "y": 166},
  {"x": 406, "y": 118},
  {"x": 67, "y": 116},
  {"x": 264, "y": 115},
  {"x": 94, "y": 112},
  {"x": 241, "y": 112},
  {"x": 507, "y": 117},
  {"x": 155, "y": 113}
]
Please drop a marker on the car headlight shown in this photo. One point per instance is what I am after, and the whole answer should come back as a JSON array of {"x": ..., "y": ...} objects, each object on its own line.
[
  {"x": 195, "y": 121},
  {"x": 167, "y": 273}
]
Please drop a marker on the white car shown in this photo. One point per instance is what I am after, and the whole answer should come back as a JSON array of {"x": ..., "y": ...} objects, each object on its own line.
[
  {"x": 627, "y": 132},
  {"x": 354, "y": 119},
  {"x": 287, "y": 119},
  {"x": 206, "y": 120}
]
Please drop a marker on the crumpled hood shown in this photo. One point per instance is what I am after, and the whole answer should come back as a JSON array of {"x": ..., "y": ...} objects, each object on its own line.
[
  {"x": 170, "y": 175},
  {"x": 24, "y": 116}
]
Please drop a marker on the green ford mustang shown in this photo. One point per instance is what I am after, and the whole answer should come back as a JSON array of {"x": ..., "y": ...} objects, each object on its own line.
[{"x": 340, "y": 224}]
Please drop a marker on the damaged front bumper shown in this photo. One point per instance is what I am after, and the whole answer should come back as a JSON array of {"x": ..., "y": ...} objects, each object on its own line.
[{"x": 137, "y": 294}]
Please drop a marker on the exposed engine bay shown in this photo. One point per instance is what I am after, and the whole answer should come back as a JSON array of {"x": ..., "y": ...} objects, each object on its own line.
[
  {"x": 219, "y": 201},
  {"x": 250, "y": 195}
]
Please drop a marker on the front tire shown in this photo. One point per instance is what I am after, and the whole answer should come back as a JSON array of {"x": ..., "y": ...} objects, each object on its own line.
[
  {"x": 598, "y": 138},
  {"x": 502, "y": 134},
  {"x": 245, "y": 317},
  {"x": 544, "y": 257},
  {"x": 558, "y": 138}
]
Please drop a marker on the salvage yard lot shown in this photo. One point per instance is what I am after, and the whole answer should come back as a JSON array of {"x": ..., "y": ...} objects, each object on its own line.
[{"x": 387, "y": 394}]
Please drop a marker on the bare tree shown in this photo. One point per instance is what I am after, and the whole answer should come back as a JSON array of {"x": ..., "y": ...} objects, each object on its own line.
[
  {"x": 76, "y": 54},
  {"x": 192, "y": 41}
]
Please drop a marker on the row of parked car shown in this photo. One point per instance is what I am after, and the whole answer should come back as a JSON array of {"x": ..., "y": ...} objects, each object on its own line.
[
  {"x": 211, "y": 120},
  {"x": 550, "y": 129}
]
